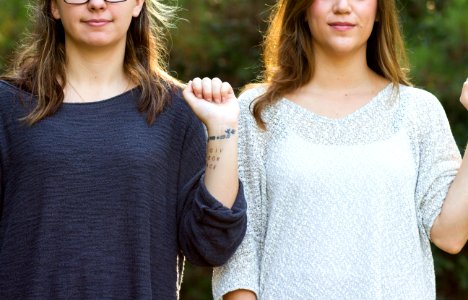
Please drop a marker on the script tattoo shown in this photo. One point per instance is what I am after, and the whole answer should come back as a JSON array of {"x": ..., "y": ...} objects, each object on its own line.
[
  {"x": 214, "y": 153},
  {"x": 213, "y": 157}
]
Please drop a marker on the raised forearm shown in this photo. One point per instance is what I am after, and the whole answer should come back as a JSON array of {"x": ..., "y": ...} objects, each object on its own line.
[
  {"x": 221, "y": 177},
  {"x": 450, "y": 229},
  {"x": 215, "y": 104}
]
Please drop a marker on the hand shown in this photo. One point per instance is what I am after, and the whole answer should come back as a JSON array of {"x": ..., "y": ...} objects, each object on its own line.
[
  {"x": 464, "y": 94},
  {"x": 213, "y": 102}
]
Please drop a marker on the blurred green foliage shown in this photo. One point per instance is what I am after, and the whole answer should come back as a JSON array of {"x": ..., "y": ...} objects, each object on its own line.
[
  {"x": 222, "y": 38},
  {"x": 13, "y": 17},
  {"x": 219, "y": 38}
]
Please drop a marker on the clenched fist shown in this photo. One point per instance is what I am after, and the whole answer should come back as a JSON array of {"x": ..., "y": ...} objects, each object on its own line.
[{"x": 213, "y": 102}]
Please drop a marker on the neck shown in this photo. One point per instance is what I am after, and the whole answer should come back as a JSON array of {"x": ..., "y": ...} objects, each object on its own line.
[
  {"x": 94, "y": 74},
  {"x": 94, "y": 67},
  {"x": 342, "y": 72},
  {"x": 340, "y": 85}
]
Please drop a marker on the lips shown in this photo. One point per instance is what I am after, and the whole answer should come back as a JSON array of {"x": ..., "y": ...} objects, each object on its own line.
[
  {"x": 97, "y": 22},
  {"x": 342, "y": 26}
]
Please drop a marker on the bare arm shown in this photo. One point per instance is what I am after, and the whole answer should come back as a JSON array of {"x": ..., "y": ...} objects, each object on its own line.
[
  {"x": 450, "y": 229},
  {"x": 215, "y": 104}
]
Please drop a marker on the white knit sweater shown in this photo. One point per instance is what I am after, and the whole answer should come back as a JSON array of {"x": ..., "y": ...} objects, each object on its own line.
[{"x": 342, "y": 208}]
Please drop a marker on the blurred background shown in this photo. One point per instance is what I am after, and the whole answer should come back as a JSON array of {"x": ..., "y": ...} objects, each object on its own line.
[{"x": 222, "y": 37}]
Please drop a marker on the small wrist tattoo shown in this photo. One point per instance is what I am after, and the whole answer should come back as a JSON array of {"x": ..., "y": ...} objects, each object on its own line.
[
  {"x": 213, "y": 157},
  {"x": 227, "y": 134}
]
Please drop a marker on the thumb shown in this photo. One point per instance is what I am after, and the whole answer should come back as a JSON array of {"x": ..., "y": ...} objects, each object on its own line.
[{"x": 188, "y": 94}]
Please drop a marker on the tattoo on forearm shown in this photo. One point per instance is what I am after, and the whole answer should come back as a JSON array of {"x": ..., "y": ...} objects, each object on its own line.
[
  {"x": 213, "y": 157},
  {"x": 214, "y": 153},
  {"x": 227, "y": 134}
]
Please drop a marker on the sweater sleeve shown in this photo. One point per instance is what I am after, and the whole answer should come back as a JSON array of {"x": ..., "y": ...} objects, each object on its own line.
[
  {"x": 243, "y": 270},
  {"x": 4, "y": 115},
  {"x": 209, "y": 232},
  {"x": 439, "y": 160}
]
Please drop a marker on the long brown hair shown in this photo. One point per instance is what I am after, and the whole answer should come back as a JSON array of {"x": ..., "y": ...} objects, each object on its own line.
[
  {"x": 39, "y": 68},
  {"x": 288, "y": 52}
]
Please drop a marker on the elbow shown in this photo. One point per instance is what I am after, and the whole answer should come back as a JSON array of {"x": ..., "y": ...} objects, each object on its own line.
[
  {"x": 227, "y": 252},
  {"x": 448, "y": 238},
  {"x": 218, "y": 262},
  {"x": 458, "y": 247},
  {"x": 452, "y": 249},
  {"x": 451, "y": 246},
  {"x": 215, "y": 252},
  {"x": 211, "y": 259}
]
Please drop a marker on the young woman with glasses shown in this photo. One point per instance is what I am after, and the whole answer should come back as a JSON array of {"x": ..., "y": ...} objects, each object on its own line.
[{"x": 102, "y": 163}]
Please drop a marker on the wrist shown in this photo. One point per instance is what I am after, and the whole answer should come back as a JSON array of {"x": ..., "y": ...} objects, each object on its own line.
[
  {"x": 217, "y": 128},
  {"x": 222, "y": 132}
]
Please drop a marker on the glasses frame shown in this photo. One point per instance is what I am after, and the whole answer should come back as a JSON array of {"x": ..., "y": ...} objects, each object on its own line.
[{"x": 86, "y": 1}]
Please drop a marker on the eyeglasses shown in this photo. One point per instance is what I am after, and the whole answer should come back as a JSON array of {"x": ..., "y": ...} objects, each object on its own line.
[{"x": 85, "y": 1}]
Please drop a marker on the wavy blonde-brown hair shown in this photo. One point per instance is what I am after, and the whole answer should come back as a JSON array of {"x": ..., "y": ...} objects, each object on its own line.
[
  {"x": 288, "y": 53},
  {"x": 39, "y": 67}
]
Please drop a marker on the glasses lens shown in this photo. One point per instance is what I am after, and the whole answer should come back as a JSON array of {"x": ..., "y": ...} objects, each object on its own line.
[
  {"x": 76, "y": 1},
  {"x": 84, "y": 1}
]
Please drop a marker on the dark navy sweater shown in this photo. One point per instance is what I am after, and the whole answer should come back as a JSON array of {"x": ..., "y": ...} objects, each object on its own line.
[{"x": 97, "y": 204}]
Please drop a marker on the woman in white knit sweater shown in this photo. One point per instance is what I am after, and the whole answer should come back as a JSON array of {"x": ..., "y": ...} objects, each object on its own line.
[{"x": 349, "y": 172}]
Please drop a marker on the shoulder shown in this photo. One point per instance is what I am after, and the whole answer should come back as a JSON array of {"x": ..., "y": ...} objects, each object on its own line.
[
  {"x": 246, "y": 100},
  {"x": 181, "y": 115},
  {"x": 271, "y": 113},
  {"x": 178, "y": 109},
  {"x": 424, "y": 110},
  {"x": 8, "y": 92},
  {"x": 248, "y": 96},
  {"x": 13, "y": 101},
  {"x": 419, "y": 99}
]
